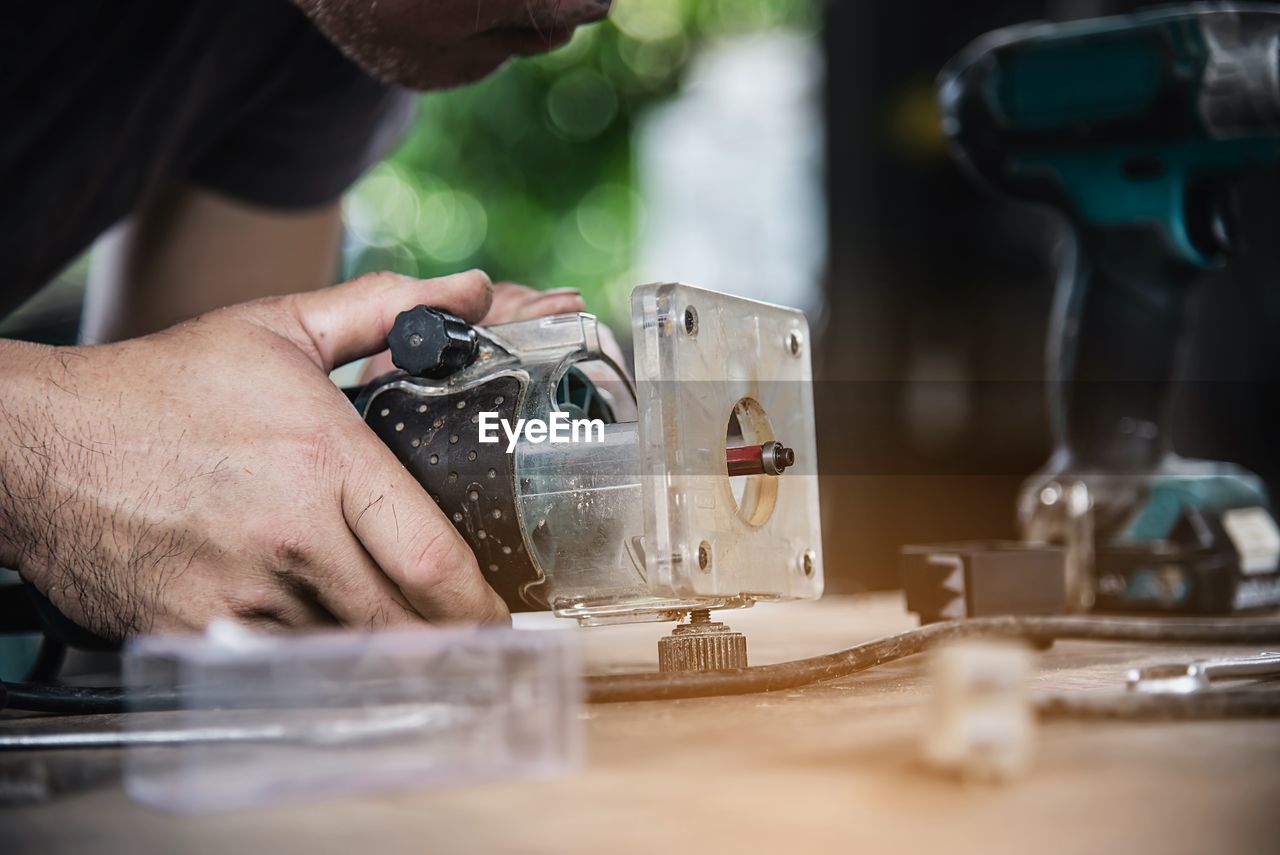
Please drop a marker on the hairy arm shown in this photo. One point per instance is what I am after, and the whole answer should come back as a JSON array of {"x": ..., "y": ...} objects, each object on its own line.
[
  {"x": 55, "y": 467},
  {"x": 188, "y": 251},
  {"x": 41, "y": 458}
]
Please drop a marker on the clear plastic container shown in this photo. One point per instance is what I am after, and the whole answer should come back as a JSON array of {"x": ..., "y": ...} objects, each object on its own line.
[{"x": 269, "y": 718}]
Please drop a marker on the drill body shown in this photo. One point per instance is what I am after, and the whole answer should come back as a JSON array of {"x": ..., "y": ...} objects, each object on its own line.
[{"x": 1135, "y": 128}]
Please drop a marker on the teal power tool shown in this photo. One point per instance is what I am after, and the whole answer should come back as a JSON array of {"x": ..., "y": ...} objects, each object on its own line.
[{"x": 1136, "y": 128}]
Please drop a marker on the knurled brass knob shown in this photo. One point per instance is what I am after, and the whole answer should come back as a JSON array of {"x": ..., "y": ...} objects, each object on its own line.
[{"x": 702, "y": 645}]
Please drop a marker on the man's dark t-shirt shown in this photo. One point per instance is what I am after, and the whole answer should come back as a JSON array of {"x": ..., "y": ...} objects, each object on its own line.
[{"x": 103, "y": 102}]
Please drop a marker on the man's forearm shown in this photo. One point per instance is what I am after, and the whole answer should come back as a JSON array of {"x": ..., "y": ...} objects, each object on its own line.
[
  {"x": 57, "y": 466},
  {"x": 32, "y": 453},
  {"x": 25, "y": 458}
]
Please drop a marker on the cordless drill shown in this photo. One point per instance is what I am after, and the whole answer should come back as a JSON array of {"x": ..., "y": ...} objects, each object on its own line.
[{"x": 1135, "y": 128}]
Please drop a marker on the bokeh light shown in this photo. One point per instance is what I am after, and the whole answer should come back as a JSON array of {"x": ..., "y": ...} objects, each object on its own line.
[{"x": 529, "y": 174}]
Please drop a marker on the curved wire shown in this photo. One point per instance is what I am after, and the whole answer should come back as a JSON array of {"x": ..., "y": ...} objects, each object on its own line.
[
  {"x": 860, "y": 657},
  {"x": 802, "y": 672}
]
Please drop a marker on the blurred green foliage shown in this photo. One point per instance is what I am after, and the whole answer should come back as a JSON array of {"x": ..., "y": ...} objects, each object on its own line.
[{"x": 528, "y": 174}]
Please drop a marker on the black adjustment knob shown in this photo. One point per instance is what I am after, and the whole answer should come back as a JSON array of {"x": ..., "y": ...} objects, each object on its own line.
[{"x": 427, "y": 342}]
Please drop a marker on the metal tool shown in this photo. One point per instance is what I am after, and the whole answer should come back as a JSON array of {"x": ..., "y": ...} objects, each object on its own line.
[
  {"x": 709, "y": 500},
  {"x": 1190, "y": 677},
  {"x": 359, "y": 727},
  {"x": 1135, "y": 128}
]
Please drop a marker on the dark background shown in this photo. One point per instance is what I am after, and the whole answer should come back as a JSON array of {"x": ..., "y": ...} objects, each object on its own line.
[{"x": 931, "y": 411}]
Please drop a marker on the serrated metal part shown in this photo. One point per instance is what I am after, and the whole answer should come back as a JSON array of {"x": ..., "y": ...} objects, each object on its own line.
[{"x": 702, "y": 645}]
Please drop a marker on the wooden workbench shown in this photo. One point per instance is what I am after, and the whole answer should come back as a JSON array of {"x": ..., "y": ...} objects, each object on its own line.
[{"x": 829, "y": 768}]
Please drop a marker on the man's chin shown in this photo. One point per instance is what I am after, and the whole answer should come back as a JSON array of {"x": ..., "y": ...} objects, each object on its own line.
[{"x": 441, "y": 43}]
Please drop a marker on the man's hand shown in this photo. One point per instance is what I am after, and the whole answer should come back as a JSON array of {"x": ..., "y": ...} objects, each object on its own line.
[
  {"x": 213, "y": 469},
  {"x": 512, "y": 302}
]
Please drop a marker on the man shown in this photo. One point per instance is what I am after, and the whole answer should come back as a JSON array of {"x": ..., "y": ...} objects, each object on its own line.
[{"x": 208, "y": 467}]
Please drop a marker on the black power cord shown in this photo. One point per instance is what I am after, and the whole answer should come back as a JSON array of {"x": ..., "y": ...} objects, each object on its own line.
[
  {"x": 48, "y": 660},
  {"x": 72, "y": 700},
  {"x": 831, "y": 666}
]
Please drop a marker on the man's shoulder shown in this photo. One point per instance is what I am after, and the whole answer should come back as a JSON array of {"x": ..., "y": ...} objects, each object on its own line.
[{"x": 102, "y": 101}]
